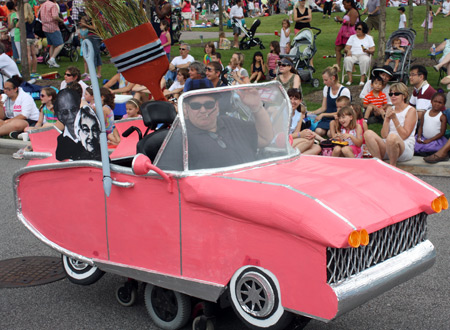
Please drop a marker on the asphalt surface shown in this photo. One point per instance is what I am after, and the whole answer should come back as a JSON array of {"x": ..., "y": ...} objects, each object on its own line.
[{"x": 421, "y": 303}]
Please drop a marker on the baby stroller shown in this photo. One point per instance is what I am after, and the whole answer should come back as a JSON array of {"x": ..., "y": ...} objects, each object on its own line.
[
  {"x": 70, "y": 44},
  {"x": 249, "y": 39},
  {"x": 407, "y": 38},
  {"x": 302, "y": 51}
]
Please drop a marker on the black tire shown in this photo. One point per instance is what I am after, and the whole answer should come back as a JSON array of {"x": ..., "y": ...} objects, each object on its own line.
[
  {"x": 255, "y": 297},
  {"x": 261, "y": 46},
  {"x": 79, "y": 272},
  {"x": 126, "y": 295},
  {"x": 168, "y": 309},
  {"x": 315, "y": 83},
  {"x": 74, "y": 55}
]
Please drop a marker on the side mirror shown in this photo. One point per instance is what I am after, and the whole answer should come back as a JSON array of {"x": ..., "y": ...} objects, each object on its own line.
[{"x": 141, "y": 164}]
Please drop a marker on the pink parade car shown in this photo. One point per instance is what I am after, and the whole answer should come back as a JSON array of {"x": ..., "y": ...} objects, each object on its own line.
[{"x": 219, "y": 205}]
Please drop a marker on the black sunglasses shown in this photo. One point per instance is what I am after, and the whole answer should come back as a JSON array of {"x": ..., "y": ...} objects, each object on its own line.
[
  {"x": 208, "y": 105},
  {"x": 283, "y": 64},
  {"x": 68, "y": 74},
  {"x": 182, "y": 48},
  {"x": 396, "y": 94},
  {"x": 359, "y": 29},
  {"x": 43, "y": 95},
  {"x": 210, "y": 69}
]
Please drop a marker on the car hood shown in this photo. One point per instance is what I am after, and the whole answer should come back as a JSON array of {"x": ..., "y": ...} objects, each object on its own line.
[{"x": 320, "y": 198}]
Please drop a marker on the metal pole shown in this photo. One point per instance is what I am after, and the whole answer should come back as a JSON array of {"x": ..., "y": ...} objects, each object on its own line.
[{"x": 88, "y": 54}]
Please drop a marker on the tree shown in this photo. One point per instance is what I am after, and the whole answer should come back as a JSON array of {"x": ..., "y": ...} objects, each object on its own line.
[
  {"x": 220, "y": 4},
  {"x": 23, "y": 41},
  {"x": 382, "y": 34},
  {"x": 427, "y": 12}
]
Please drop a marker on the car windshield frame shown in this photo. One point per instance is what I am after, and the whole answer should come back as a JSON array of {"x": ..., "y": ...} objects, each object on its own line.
[{"x": 275, "y": 102}]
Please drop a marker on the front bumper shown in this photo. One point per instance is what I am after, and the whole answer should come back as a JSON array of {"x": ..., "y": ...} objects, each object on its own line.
[{"x": 372, "y": 282}]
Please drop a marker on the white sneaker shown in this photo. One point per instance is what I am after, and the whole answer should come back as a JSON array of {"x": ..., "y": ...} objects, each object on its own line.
[
  {"x": 53, "y": 65},
  {"x": 24, "y": 136}
]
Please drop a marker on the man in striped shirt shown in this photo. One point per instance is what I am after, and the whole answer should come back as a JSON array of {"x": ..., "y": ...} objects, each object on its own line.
[{"x": 375, "y": 101}]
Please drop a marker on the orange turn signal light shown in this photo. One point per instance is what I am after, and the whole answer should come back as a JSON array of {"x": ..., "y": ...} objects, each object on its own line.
[
  {"x": 444, "y": 202},
  {"x": 436, "y": 205},
  {"x": 364, "y": 237},
  {"x": 354, "y": 239}
]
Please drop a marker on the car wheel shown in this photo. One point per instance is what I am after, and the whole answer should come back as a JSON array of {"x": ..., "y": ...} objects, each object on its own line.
[
  {"x": 74, "y": 55},
  {"x": 79, "y": 272},
  {"x": 255, "y": 297},
  {"x": 168, "y": 309},
  {"x": 315, "y": 82}
]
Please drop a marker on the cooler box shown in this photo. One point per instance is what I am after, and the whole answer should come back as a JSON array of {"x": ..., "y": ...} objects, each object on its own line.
[{"x": 119, "y": 108}]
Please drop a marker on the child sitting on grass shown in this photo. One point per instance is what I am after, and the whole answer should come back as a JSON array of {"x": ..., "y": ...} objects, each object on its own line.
[{"x": 375, "y": 101}]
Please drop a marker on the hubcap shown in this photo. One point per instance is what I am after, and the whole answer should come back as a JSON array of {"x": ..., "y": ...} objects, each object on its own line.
[{"x": 255, "y": 295}]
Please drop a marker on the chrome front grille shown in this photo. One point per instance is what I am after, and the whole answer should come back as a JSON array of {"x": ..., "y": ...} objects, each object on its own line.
[{"x": 384, "y": 244}]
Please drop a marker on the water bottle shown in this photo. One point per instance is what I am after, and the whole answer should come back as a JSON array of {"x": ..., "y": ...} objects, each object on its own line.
[{"x": 433, "y": 50}]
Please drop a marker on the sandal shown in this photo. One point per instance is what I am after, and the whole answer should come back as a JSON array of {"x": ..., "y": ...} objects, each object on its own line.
[{"x": 433, "y": 159}]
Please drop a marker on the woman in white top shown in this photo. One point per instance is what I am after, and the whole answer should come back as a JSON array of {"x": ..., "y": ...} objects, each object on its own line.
[
  {"x": 397, "y": 135},
  {"x": 19, "y": 110},
  {"x": 359, "y": 47}
]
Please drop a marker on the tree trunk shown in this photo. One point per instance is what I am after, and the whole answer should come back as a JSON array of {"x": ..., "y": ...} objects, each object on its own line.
[
  {"x": 410, "y": 15},
  {"x": 23, "y": 41},
  {"x": 382, "y": 34},
  {"x": 427, "y": 12},
  {"x": 220, "y": 4}
]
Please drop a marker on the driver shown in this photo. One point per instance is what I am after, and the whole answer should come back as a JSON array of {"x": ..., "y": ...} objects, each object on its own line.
[{"x": 216, "y": 140}]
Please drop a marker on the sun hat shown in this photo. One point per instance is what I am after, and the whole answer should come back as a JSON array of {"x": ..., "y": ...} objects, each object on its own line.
[{"x": 385, "y": 68}]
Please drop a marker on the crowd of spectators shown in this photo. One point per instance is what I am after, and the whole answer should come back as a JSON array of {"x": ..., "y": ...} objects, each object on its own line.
[{"x": 391, "y": 105}]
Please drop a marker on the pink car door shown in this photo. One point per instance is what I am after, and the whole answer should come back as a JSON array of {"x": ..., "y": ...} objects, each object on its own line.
[{"x": 143, "y": 224}]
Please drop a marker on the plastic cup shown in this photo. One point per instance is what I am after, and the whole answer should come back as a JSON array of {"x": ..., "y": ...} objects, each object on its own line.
[{"x": 276, "y": 32}]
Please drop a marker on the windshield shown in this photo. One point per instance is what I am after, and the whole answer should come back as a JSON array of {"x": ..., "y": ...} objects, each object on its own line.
[{"x": 228, "y": 126}]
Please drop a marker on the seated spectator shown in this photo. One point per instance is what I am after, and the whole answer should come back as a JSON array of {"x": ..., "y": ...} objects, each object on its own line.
[
  {"x": 210, "y": 49},
  {"x": 349, "y": 131},
  {"x": 386, "y": 73},
  {"x": 47, "y": 118},
  {"x": 133, "y": 107},
  {"x": 196, "y": 78},
  {"x": 444, "y": 8},
  {"x": 288, "y": 76},
  {"x": 237, "y": 74},
  {"x": 375, "y": 101},
  {"x": 359, "y": 47},
  {"x": 224, "y": 43},
  {"x": 177, "y": 87},
  {"x": 213, "y": 73},
  {"x": 302, "y": 137},
  {"x": 19, "y": 110},
  {"x": 178, "y": 62},
  {"x": 430, "y": 135},
  {"x": 73, "y": 74},
  {"x": 331, "y": 91},
  {"x": 124, "y": 87},
  {"x": 444, "y": 61},
  {"x": 397, "y": 134},
  {"x": 217, "y": 57},
  {"x": 8, "y": 68}
]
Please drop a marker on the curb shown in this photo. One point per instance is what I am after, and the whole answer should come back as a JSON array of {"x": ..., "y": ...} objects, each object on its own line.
[{"x": 10, "y": 145}]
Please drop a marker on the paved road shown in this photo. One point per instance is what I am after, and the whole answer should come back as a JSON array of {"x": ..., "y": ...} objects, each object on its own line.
[{"x": 422, "y": 303}]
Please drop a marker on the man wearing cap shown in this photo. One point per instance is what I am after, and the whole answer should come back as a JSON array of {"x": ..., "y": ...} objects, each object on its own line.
[
  {"x": 50, "y": 18},
  {"x": 423, "y": 92},
  {"x": 386, "y": 73},
  {"x": 373, "y": 11}
]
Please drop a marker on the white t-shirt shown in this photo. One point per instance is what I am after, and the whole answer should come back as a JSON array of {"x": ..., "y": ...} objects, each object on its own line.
[
  {"x": 345, "y": 92},
  {"x": 236, "y": 11},
  {"x": 445, "y": 7},
  {"x": 175, "y": 85},
  {"x": 356, "y": 44},
  {"x": 23, "y": 105},
  {"x": 179, "y": 60},
  {"x": 81, "y": 83},
  {"x": 283, "y": 39},
  {"x": 394, "y": 3},
  {"x": 402, "y": 22},
  {"x": 8, "y": 68}
]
